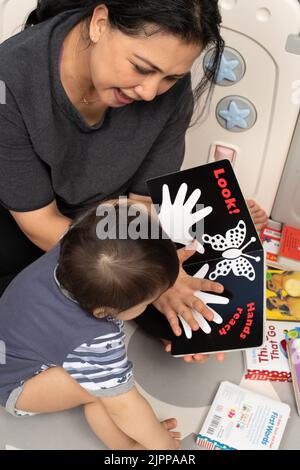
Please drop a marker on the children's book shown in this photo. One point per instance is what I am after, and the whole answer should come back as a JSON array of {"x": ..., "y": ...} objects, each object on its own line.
[
  {"x": 283, "y": 295},
  {"x": 206, "y": 203},
  {"x": 270, "y": 362},
  {"x": 239, "y": 419},
  {"x": 290, "y": 243},
  {"x": 270, "y": 237},
  {"x": 293, "y": 348}
]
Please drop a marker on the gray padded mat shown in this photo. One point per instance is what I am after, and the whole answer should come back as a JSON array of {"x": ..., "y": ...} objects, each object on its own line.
[{"x": 173, "y": 388}]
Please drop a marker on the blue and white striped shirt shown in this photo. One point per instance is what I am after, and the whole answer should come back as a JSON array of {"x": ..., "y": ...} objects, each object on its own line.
[{"x": 42, "y": 326}]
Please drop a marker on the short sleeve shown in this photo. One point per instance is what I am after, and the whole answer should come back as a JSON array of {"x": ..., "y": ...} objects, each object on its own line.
[
  {"x": 101, "y": 366},
  {"x": 167, "y": 153},
  {"x": 25, "y": 183}
]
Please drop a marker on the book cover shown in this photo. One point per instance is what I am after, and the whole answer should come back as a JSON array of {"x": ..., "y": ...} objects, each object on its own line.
[
  {"x": 206, "y": 203},
  {"x": 270, "y": 238},
  {"x": 290, "y": 243},
  {"x": 239, "y": 419},
  {"x": 283, "y": 295},
  {"x": 293, "y": 348},
  {"x": 270, "y": 362}
]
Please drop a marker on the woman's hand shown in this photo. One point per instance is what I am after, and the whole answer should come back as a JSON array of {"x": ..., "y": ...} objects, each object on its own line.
[
  {"x": 258, "y": 215},
  {"x": 181, "y": 300}
]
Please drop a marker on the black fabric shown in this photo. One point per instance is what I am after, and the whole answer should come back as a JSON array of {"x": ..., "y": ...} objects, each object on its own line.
[
  {"x": 16, "y": 250},
  {"x": 155, "y": 324}
]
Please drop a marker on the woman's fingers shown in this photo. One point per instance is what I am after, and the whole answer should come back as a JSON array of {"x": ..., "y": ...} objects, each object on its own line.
[
  {"x": 220, "y": 357},
  {"x": 196, "y": 359},
  {"x": 167, "y": 345}
]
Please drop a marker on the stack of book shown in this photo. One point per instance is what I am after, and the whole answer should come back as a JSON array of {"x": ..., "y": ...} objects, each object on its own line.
[
  {"x": 270, "y": 362},
  {"x": 290, "y": 243},
  {"x": 293, "y": 348}
]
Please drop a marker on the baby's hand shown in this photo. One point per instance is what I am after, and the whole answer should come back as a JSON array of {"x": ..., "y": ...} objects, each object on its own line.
[{"x": 170, "y": 424}]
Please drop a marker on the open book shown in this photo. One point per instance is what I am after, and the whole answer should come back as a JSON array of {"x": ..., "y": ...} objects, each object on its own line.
[{"x": 206, "y": 203}]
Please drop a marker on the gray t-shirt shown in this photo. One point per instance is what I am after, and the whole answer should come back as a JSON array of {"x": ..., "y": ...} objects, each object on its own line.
[
  {"x": 42, "y": 327},
  {"x": 48, "y": 151}
]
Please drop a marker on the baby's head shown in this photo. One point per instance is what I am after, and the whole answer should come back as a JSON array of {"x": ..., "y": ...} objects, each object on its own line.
[{"x": 108, "y": 268}]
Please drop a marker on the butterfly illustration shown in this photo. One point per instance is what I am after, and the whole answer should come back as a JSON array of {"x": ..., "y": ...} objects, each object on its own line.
[{"x": 234, "y": 258}]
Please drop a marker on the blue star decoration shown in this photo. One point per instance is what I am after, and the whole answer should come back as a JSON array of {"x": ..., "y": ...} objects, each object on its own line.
[
  {"x": 235, "y": 117},
  {"x": 226, "y": 69},
  {"x": 109, "y": 346}
]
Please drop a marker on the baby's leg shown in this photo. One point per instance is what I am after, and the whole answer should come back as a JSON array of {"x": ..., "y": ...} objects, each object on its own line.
[{"x": 54, "y": 390}]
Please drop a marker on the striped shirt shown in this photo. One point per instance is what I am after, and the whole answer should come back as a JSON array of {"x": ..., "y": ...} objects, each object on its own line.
[{"x": 42, "y": 326}]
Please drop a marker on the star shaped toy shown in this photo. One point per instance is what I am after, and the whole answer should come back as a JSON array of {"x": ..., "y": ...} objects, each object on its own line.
[
  {"x": 226, "y": 70},
  {"x": 235, "y": 117}
]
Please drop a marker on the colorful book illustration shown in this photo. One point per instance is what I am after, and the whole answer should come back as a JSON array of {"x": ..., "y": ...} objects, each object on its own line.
[
  {"x": 283, "y": 295},
  {"x": 239, "y": 419},
  {"x": 293, "y": 348},
  {"x": 270, "y": 362},
  {"x": 270, "y": 238},
  {"x": 206, "y": 203}
]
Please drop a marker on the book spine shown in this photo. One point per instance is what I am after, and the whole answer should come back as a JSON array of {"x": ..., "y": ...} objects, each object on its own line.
[
  {"x": 211, "y": 444},
  {"x": 295, "y": 379},
  {"x": 272, "y": 375}
]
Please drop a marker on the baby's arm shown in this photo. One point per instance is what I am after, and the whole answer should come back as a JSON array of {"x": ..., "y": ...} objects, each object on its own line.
[{"x": 135, "y": 417}]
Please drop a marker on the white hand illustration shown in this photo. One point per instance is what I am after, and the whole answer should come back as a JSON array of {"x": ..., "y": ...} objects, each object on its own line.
[
  {"x": 177, "y": 219},
  {"x": 207, "y": 299}
]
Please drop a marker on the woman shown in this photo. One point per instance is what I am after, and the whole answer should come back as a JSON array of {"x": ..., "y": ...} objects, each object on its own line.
[{"x": 98, "y": 100}]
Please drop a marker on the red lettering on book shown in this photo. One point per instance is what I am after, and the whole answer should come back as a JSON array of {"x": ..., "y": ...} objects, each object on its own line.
[{"x": 226, "y": 192}]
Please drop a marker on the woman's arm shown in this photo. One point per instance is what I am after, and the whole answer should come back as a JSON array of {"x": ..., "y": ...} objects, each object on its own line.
[
  {"x": 44, "y": 227},
  {"x": 135, "y": 417}
]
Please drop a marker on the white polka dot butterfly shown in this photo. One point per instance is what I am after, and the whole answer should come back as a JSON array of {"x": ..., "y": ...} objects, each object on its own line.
[{"x": 234, "y": 258}]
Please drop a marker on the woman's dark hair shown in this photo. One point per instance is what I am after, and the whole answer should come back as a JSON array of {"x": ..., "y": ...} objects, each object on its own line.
[
  {"x": 115, "y": 257},
  {"x": 194, "y": 21}
]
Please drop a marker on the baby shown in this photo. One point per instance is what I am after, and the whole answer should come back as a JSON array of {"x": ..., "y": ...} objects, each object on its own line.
[{"x": 62, "y": 325}]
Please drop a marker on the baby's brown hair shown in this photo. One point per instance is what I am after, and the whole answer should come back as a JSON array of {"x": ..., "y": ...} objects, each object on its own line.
[{"x": 109, "y": 271}]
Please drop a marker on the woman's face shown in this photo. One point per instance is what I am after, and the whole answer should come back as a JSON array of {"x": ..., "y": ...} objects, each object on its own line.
[{"x": 140, "y": 67}]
